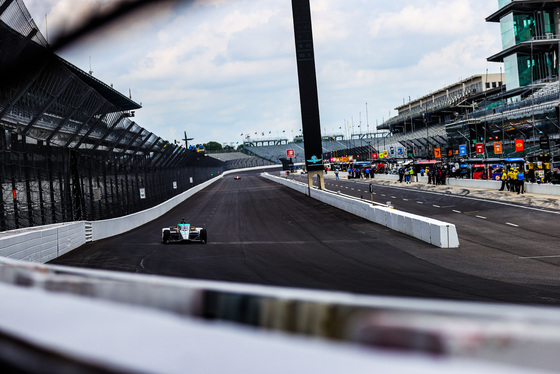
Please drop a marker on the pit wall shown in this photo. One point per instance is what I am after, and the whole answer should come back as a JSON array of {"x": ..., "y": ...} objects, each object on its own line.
[
  {"x": 543, "y": 189},
  {"x": 45, "y": 243},
  {"x": 437, "y": 233}
]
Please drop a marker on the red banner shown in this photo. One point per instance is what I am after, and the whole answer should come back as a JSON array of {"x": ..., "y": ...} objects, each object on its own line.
[
  {"x": 519, "y": 145},
  {"x": 290, "y": 153},
  {"x": 437, "y": 152},
  {"x": 374, "y": 156},
  {"x": 479, "y": 148}
]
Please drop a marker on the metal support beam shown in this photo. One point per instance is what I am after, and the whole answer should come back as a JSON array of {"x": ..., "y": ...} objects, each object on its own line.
[
  {"x": 70, "y": 115},
  {"x": 110, "y": 152},
  {"x": 73, "y": 137},
  {"x": 5, "y": 6},
  {"x": 109, "y": 129},
  {"x": 139, "y": 147},
  {"x": 41, "y": 111},
  {"x": 23, "y": 90}
]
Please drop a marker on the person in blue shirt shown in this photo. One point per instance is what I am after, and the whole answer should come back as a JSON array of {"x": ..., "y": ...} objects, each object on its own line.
[{"x": 520, "y": 181}]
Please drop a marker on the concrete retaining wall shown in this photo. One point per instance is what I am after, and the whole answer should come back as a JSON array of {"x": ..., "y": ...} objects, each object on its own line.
[
  {"x": 116, "y": 226},
  {"x": 440, "y": 234},
  {"x": 41, "y": 245},
  {"x": 45, "y": 243}
]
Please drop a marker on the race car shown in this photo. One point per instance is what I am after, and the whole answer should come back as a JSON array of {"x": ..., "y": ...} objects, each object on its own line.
[
  {"x": 183, "y": 232},
  {"x": 237, "y": 177}
]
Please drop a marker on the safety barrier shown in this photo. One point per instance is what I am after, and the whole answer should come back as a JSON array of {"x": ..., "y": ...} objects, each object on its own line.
[
  {"x": 448, "y": 329},
  {"x": 41, "y": 244},
  {"x": 116, "y": 226},
  {"x": 44, "y": 243},
  {"x": 537, "y": 188},
  {"x": 438, "y": 233}
]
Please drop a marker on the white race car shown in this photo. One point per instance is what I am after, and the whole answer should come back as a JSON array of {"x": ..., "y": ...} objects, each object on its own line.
[{"x": 184, "y": 232}]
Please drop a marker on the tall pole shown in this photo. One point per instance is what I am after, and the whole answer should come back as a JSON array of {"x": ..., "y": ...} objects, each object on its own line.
[{"x": 308, "y": 95}]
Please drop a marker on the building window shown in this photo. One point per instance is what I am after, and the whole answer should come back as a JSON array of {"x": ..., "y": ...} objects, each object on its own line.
[
  {"x": 494, "y": 85},
  {"x": 487, "y": 85}
]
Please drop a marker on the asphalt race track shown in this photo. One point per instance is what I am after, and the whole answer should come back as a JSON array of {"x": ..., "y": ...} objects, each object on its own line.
[{"x": 260, "y": 232}]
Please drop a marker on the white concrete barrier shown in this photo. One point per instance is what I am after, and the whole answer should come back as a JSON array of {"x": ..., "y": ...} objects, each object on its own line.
[
  {"x": 438, "y": 233},
  {"x": 116, "y": 226},
  {"x": 45, "y": 243},
  {"x": 42, "y": 244}
]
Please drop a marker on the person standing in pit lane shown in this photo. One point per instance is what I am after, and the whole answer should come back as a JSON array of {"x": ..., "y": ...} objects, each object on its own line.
[
  {"x": 514, "y": 185},
  {"x": 510, "y": 180},
  {"x": 504, "y": 178},
  {"x": 520, "y": 182},
  {"x": 430, "y": 173}
]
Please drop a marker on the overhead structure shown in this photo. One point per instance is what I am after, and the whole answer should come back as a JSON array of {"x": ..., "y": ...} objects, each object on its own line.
[
  {"x": 308, "y": 96},
  {"x": 50, "y": 101}
]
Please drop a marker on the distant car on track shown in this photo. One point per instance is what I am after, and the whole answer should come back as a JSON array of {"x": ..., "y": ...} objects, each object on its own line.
[
  {"x": 237, "y": 177},
  {"x": 183, "y": 232}
]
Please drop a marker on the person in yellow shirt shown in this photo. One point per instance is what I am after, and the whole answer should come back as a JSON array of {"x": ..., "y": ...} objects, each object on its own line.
[
  {"x": 504, "y": 178},
  {"x": 510, "y": 184},
  {"x": 513, "y": 179}
]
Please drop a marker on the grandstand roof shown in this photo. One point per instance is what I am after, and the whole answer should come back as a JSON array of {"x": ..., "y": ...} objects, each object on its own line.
[
  {"x": 522, "y": 6},
  {"x": 119, "y": 100}
]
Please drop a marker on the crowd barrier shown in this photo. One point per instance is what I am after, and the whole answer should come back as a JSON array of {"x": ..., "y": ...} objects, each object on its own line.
[{"x": 437, "y": 233}]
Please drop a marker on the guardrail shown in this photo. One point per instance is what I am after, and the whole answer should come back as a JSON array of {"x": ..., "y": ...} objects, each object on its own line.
[
  {"x": 469, "y": 332},
  {"x": 438, "y": 233}
]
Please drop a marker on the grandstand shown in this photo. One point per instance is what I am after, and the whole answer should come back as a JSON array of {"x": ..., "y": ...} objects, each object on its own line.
[
  {"x": 332, "y": 147},
  {"x": 70, "y": 150},
  {"x": 238, "y": 160}
]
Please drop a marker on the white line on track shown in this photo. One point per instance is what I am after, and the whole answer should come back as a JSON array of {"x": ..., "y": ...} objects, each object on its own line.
[
  {"x": 512, "y": 224},
  {"x": 536, "y": 257},
  {"x": 457, "y": 211},
  {"x": 477, "y": 199},
  {"x": 481, "y": 217},
  {"x": 437, "y": 206},
  {"x": 420, "y": 202},
  {"x": 405, "y": 199}
]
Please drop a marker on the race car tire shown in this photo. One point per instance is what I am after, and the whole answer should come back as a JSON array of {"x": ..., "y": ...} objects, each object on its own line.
[
  {"x": 165, "y": 236},
  {"x": 203, "y": 236}
]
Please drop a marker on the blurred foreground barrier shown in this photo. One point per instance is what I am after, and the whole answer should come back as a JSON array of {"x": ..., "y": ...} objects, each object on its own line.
[
  {"x": 525, "y": 337},
  {"x": 441, "y": 234}
]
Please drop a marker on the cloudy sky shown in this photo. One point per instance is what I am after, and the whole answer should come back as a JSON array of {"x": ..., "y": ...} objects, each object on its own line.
[{"x": 221, "y": 68}]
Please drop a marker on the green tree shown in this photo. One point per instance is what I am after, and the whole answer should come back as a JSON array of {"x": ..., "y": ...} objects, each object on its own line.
[{"x": 212, "y": 146}]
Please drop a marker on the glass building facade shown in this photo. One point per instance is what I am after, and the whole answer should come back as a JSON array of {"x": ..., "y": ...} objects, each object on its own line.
[
  {"x": 523, "y": 68},
  {"x": 503, "y": 3}
]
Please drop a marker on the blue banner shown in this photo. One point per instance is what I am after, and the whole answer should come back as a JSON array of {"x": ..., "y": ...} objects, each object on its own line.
[{"x": 463, "y": 150}]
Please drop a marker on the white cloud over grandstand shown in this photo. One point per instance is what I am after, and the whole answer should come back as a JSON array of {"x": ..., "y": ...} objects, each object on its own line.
[{"x": 221, "y": 68}]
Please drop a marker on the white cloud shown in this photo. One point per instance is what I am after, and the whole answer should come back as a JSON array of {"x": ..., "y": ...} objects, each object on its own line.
[{"x": 220, "y": 68}]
